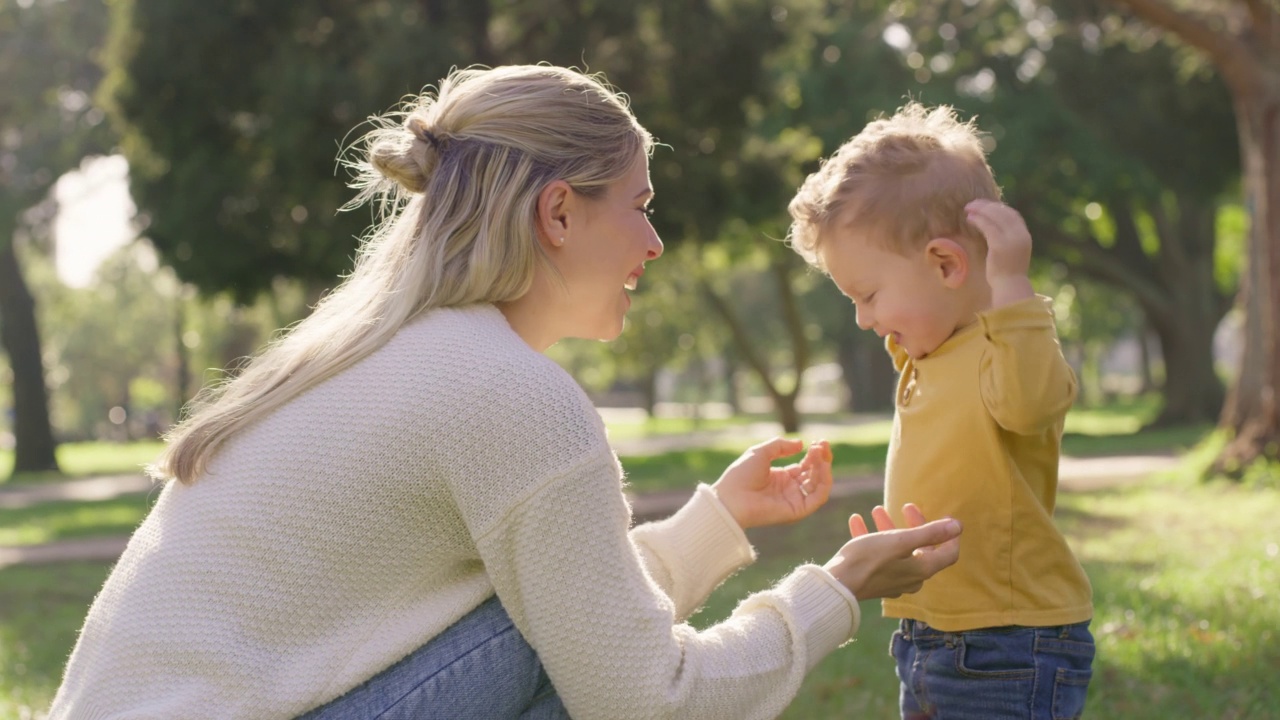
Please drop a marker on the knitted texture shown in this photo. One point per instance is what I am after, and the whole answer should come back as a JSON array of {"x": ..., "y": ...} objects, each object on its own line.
[{"x": 339, "y": 533}]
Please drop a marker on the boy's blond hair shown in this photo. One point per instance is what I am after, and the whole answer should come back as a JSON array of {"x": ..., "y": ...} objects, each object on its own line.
[{"x": 901, "y": 182}]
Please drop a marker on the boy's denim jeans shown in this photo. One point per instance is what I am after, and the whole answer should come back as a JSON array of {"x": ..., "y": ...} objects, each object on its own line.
[
  {"x": 480, "y": 667},
  {"x": 992, "y": 673}
]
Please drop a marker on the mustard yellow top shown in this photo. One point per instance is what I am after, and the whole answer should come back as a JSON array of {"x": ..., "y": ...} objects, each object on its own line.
[{"x": 976, "y": 436}]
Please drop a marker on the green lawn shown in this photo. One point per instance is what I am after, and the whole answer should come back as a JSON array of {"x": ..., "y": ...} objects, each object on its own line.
[
  {"x": 52, "y": 521},
  {"x": 1185, "y": 582},
  {"x": 1185, "y": 577},
  {"x": 88, "y": 458}
]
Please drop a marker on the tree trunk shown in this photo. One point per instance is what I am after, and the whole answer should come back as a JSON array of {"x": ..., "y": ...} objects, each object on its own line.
[
  {"x": 867, "y": 370},
  {"x": 649, "y": 389},
  {"x": 1192, "y": 391},
  {"x": 1253, "y": 416},
  {"x": 33, "y": 435},
  {"x": 1146, "y": 360},
  {"x": 784, "y": 401}
]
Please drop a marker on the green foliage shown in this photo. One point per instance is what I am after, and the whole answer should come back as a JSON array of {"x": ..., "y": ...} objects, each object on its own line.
[{"x": 48, "y": 121}]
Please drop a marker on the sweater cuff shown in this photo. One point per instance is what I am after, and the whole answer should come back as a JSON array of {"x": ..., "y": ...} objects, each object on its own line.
[
  {"x": 1033, "y": 312},
  {"x": 826, "y": 613},
  {"x": 701, "y": 545},
  {"x": 714, "y": 541}
]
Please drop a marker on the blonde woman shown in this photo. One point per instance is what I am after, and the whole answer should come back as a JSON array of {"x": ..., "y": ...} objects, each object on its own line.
[{"x": 403, "y": 509}]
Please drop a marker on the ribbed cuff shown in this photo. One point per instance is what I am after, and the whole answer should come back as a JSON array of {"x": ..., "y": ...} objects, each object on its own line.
[
  {"x": 825, "y": 611},
  {"x": 710, "y": 538},
  {"x": 702, "y": 543}
]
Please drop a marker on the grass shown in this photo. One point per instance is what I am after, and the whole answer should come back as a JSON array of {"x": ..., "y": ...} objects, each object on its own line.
[
  {"x": 51, "y": 521},
  {"x": 1185, "y": 577},
  {"x": 860, "y": 449},
  {"x": 84, "y": 459},
  {"x": 1185, "y": 583},
  {"x": 41, "y": 610}
]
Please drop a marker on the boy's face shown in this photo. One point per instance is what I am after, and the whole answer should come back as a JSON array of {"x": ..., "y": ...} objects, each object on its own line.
[{"x": 896, "y": 294}]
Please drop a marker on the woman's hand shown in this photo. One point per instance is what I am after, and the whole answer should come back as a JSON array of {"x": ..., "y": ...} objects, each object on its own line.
[
  {"x": 891, "y": 562},
  {"x": 756, "y": 493}
]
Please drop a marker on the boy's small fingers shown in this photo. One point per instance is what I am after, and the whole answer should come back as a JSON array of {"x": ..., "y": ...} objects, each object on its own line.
[
  {"x": 914, "y": 517},
  {"x": 882, "y": 519},
  {"x": 857, "y": 526}
]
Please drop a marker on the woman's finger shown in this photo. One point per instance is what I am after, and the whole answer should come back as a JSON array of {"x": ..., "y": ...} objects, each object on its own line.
[{"x": 778, "y": 448}]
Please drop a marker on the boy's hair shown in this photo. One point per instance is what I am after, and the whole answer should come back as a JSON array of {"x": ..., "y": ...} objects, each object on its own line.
[{"x": 902, "y": 181}]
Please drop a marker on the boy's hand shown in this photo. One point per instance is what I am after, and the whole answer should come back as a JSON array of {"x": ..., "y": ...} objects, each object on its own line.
[
  {"x": 1008, "y": 250},
  {"x": 756, "y": 493}
]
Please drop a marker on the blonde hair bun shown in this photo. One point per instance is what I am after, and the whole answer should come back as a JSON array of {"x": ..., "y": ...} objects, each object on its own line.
[{"x": 408, "y": 155}]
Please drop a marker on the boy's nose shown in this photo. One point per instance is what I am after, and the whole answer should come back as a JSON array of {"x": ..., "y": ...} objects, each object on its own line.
[{"x": 864, "y": 318}]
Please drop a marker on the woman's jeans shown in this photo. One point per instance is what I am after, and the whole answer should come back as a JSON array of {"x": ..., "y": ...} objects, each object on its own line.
[
  {"x": 992, "y": 673},
  {"x": 480, "y": 667}
]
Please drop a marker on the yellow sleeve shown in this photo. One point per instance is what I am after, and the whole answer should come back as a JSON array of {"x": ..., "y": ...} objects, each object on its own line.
[{"x": 1026, "y": 383}]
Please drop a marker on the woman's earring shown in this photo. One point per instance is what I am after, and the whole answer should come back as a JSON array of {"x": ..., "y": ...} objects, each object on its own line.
[{"x": 561, "y": 244}]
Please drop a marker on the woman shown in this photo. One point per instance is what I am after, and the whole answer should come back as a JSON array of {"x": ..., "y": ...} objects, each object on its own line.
[{"x": 346, "y": 508}]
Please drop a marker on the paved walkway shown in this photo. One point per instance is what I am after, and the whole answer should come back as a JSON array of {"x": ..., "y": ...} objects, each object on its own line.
[{"x": 1075, "y": 475}]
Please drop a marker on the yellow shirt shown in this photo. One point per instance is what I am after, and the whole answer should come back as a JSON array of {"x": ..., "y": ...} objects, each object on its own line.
[{"x": 976, "y": 436}]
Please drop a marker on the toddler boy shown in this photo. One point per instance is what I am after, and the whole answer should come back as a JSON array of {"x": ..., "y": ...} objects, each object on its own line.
[{"x": 906, "y": 219}]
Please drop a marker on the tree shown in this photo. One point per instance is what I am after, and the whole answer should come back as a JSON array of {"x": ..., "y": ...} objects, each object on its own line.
[
  {"x": 1135, "y": 216},
  {"x": 47, "y": 125},
  {"x": 230, "y": 172},
  {"x": 1083, "y": 114},
  {"x": 1242, "y": 40}
]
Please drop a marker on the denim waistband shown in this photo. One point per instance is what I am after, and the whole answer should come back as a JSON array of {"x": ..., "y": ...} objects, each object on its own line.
[{"x": 921, "y": 633}]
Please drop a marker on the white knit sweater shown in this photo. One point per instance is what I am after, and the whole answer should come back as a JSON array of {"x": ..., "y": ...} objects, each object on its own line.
[{"x": 339, "y": 533}]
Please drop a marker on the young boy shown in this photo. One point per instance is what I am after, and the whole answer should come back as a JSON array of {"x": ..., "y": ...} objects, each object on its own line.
[{"x": 907, "y": 221}]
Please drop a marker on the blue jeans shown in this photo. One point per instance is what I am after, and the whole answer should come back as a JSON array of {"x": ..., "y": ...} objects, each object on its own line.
[
  {"x": 480, "y": 667},
  {"x": 991, "y": 673}
]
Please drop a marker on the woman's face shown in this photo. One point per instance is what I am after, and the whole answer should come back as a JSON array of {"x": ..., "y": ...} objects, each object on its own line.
[{"x": 603, "y": 254}]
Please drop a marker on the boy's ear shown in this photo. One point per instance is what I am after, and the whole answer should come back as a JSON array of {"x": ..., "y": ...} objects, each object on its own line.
[
  {"x": 949, "y": 260},
  {"x": 554, "y": 203}
]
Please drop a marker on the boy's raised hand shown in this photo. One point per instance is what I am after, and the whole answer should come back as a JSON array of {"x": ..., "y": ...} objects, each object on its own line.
[
  {"x": 1008, "y": 250},
  {"x": 756, "y": 493}
]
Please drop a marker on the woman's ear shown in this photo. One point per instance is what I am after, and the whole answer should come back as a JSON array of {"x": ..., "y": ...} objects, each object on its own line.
[
  {"x": 553, "y": 213},
  {"x": 949, "y": 260}
]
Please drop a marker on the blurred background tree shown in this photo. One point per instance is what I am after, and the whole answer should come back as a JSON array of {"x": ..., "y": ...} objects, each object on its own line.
[
  {"x": 231, "y": 116},
  {"x": 48, "y": 124}
]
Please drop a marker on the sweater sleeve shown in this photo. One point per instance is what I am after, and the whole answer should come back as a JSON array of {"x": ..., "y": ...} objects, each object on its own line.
[
  {"x": 569, "y": 575},
  {"x": 1027, "y": 385},
  {"x": 690, "y": 553}
]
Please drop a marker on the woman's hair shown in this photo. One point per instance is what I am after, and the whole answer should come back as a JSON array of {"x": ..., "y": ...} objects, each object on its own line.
[
  {"x": 456, "y": 175},
  {"x": 902, "y": 181}
]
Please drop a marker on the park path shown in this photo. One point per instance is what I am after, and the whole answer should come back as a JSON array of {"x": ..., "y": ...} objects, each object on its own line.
[{"x": 1075, "y": 475}]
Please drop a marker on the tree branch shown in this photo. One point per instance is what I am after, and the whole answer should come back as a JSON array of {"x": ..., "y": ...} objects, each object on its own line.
[
  {"x": 1263, "y": 14},
  {"x": 1185, "y": 25},
  {"x": 741, "y": 338}
]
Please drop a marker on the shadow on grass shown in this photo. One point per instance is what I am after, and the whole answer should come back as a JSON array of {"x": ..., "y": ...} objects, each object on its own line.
[{"x": 52, "y": 521}]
